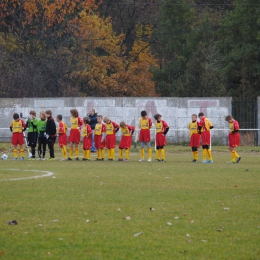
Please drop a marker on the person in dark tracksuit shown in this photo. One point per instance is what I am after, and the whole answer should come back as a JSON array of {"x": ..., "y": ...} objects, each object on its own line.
[
  {"x": 93, "y": 121},
  {"x": 50, "y": 133}
]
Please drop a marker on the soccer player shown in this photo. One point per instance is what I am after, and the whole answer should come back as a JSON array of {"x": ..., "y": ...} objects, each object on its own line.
[
  {"x": 61, "y": 132},
  {"x": 51, "y": 132},
  {"x": 75, "y": 124},
  {"x": 17, "y": 127},
  {"x": 87, "y": 139},
  {"x": 233, "y": 138},
  {"x": 205, "y": 127},
  {"x": 32, "y": 136},
  {"x": 126, "y": 140},
  {"x": 41, "y": 128},
  {"x": 161, "y": 130},
  {"x": 145, "y": 123},
  {"x": 194, "y": 137},
  {"x": 111, "y": 129},
  {"x": 93, "y": 121},
  {"x": 100, "y": 136}
]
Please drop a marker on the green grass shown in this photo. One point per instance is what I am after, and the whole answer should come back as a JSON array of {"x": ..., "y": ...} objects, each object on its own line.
[{"x": 195, "y": 193}]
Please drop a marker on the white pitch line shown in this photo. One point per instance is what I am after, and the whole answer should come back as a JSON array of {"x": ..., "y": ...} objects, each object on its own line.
[{"x": 27, "y": 178}]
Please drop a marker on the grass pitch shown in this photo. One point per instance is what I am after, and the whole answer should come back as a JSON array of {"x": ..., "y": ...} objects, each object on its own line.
[{"x": 101, "y": 210}]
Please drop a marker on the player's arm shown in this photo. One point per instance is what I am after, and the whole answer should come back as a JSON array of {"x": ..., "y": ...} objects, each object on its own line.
[
  {"x": 131, "y": 129},
  {"x": 80, "y": 122},
  {"x": 166, "y": 127},
  {"x": 235, "y": 127},
  {"x": 89, "y": 131},
  {"x": 150, "y": 123},
  {"x": 11, "y": 127},
  {"x": 23, "y": 126},
  {"x": 116, "y": 126},
  {"x": 103, "y": 132}
]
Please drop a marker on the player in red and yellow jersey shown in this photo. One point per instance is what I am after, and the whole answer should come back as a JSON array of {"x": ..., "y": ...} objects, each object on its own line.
[
  {"x": 145, "y": 123},
  {"x": 205, "y": 127},
  {"x": 87, "y": 139},
  {"x": 111, "y": 129},
  {"x": 233, "y": 138},
  {"x": 126, "y": 140},
  {"x": 75, "y": 125},
  {"x": 161, "y": 130},
  {"x": 194, "y": 137},
  {"x": 100, "y": 136},
  {"x": 61, "y": 132},
  {"x": 17, "y": 127}
]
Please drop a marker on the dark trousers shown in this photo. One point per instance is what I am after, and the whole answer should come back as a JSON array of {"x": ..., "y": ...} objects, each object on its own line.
[
  {"x": 51, "y": 142},
  {"x": 32, "y": 141},
  {"x": 41, "y": 146}
]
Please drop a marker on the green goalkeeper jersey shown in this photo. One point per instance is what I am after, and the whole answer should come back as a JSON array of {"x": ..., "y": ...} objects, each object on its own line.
[
  {"x": 32, "y": 125},
  {"x": 41, "y": 126}
]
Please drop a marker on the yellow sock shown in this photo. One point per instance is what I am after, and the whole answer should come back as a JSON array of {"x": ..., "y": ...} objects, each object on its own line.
[
  {"x": 127, "y": 153},
  {"x": 112, "y": 153},
  {"x": 64, "y": 152},
  {"x": 150, "y": 153},
  {"x": 158, "y": 154},
  {"x": 120, "y": 153},
  {"x": 109, "y": 153},
  {"x": 77, "y": 152},
  {"x": 22, "y": 152},
  {"x": 196, "y": 155},
  {"x": 209, "y": 154},
  {"x": 15, "y": 153},
  {"x": 88, "y": 154},
  {"x": 103, "y": 153},
  {"x": 236, "y": 154},
  {"x": 142, "y": 153},
  {"x": 163, "y": 154},
  {"x": 233, "y": 156},
  {"x": 71, "y": 152},
  {"x": 98, "y": 153},
  {"x": 85, "y": 154},
  {"x": 204, "y": 154}
]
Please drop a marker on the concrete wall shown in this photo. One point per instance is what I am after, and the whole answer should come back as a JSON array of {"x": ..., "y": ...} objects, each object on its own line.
[{"x": 176, "y": 111}]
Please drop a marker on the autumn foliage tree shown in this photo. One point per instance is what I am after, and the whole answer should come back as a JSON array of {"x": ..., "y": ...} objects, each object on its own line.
[{"x": 64, "y": 48}]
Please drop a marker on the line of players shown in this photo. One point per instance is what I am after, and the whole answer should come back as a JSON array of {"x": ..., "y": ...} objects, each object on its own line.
[{"x": 45, "y": 132}]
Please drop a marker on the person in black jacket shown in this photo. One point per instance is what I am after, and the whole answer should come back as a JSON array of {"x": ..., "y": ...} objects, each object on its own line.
[
  {"x": 93, "y": 121},
  {"x": 50, "y": 133}
]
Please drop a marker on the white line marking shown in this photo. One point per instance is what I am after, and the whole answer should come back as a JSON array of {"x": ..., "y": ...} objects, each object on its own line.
[{"x": 27, "y": 178}]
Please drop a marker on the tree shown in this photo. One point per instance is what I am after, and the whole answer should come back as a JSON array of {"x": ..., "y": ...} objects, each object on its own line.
[{"x": 239, "y": 43}]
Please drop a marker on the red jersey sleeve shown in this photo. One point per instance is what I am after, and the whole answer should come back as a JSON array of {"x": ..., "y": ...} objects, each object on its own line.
[
  {"x": 150, "y": 122},
  {"x": 165, "y": 125},
  {"x": 89, "y": 130},
  {"x": 80, "y": 122},
  {"x": 61, "y": 128},
  {"x": 103, "y": 128},
  {"x": 131, "y": 128},
  {"x": 236, "y": 125},
  {"x": 23, "y": 124}
]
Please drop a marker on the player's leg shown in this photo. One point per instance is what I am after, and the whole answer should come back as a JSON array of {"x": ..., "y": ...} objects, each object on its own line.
[
  {"x": 103, "y": 154},
  {"x": 141, "y": 152},
  {"x": 39, "y": 147},
  {"x": 77, "y": 151},
  {"x": 71, "y": 151},
  {"x": 21, "y": 152},
  {"x": 158, "y": 154},
  {"x": 15, "y": 152},
  {"x": 149, "y": 151},
  {"x": 195, "y": 154},
  {"x": 163, "y": 153},
  {"x": 127, "y": 154},
  {"x": 43, "y": 148}
]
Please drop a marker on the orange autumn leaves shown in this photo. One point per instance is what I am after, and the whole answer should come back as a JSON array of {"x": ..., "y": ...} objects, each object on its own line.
[{"x": 103, "y": 68}]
